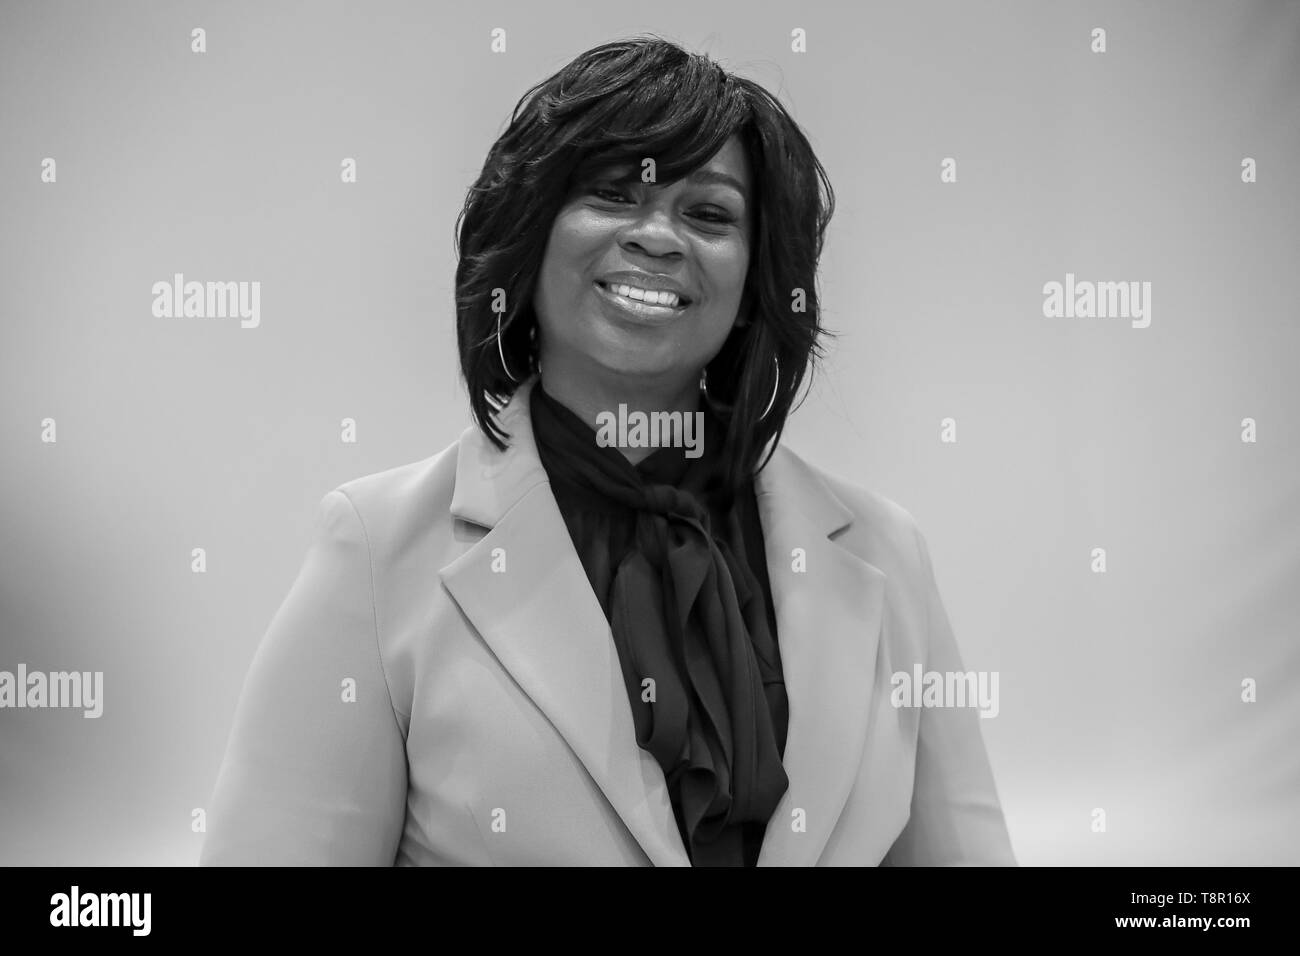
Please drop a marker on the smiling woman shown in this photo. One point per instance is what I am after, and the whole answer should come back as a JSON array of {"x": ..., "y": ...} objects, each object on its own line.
[
  {"x": 561, "y": 644},
  {"x": 602, "y": 325}
]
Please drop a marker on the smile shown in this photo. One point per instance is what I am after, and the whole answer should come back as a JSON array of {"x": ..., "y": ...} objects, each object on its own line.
[{"x": 637, "y": 307}]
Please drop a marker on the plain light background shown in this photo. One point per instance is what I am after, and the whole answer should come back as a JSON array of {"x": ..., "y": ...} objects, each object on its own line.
[{"x": 1119, "y": 691}]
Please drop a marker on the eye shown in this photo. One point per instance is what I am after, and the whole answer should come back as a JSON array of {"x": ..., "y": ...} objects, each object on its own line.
[
  {"x": 602, "y": 192},
  {"x": 715, "y": 214}
]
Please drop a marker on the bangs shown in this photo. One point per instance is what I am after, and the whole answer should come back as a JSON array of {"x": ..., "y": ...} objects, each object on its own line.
[{"x": 675, "y": 109}]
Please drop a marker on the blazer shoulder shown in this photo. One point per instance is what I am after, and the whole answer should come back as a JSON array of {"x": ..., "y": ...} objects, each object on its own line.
[
  {"x": 881, "y": 531},
  {"x": 407, "y": 500}
]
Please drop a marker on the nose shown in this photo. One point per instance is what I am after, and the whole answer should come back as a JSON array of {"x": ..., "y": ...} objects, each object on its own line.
[{"x": 654, "y": 232}]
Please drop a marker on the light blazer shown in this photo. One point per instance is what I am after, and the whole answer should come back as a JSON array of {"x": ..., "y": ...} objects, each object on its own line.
[{"x": 440, "y": 687}]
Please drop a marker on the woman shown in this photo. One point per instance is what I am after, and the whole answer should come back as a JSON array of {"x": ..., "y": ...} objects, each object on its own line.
[{"x": 616, "y": 622}]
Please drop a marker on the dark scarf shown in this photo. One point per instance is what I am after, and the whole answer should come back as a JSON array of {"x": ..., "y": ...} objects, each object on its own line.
[{"x": 685, "y": 610}]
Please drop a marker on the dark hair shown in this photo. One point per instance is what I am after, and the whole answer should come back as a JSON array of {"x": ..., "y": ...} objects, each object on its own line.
[{"x": 617, "y": 103}]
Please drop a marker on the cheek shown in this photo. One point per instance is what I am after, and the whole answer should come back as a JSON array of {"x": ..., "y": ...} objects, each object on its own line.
[
  {"x": 575, "y": 241},
  {"x": 561, "y": 273},
  {"x": 728, "y": 269}
]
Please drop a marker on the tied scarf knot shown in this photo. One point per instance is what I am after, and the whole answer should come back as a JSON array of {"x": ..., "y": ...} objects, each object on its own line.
[
  {"x": 670, "y": 502},
  {"x": 689, "y": 622}
]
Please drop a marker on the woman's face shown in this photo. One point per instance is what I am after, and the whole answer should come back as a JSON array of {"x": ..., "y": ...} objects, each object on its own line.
[{"x": 691, "y": 235}]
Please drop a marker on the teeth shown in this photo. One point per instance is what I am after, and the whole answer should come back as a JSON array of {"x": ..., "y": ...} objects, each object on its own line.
[{"x": 645, "y": 295}]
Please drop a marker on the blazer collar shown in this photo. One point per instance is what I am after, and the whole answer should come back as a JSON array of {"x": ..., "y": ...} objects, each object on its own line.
[{"x": 524, "y": 589}]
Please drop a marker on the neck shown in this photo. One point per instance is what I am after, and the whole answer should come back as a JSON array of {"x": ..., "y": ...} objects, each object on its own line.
[{"x": 588, "y": 394}]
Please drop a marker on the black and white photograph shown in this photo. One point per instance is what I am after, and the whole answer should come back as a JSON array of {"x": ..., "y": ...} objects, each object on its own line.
[{"x": 680, "y": 435}]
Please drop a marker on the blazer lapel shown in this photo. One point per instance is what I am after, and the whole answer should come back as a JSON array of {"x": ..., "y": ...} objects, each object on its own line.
[
  {"x": 524, "y": 589},
  {"x": 828, "y": 613}
]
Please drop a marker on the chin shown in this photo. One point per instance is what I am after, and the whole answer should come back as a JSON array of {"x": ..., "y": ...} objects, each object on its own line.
[
  {"x": 636, "y": 367},
  {"x": 641, "y": 359}
]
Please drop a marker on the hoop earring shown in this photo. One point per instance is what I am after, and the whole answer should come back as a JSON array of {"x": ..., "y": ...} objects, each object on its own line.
[
  {"x": 704, "y": 386},
  {"x": 501, "y": 352}
]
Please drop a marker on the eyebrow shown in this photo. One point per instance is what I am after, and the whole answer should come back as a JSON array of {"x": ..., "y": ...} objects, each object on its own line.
[
  {"x": 720, "y": 178},
  {"x": 702, "y": 176}
]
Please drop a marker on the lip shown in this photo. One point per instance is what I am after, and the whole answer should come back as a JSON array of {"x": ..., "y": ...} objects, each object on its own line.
[
  {"x": 637, "y": 310},
  {"x": 649, "y": 281}
]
